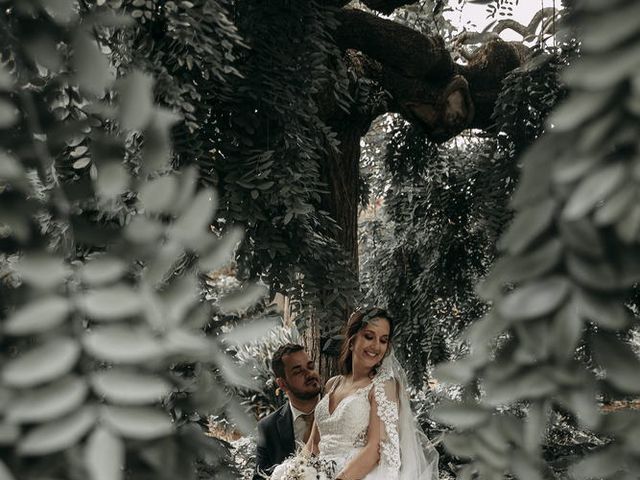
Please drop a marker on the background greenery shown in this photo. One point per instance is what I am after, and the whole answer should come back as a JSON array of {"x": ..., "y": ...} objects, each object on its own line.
[{"x": 128, "y": 293}]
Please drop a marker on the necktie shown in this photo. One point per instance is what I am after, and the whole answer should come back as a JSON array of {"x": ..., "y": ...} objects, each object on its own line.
[{"x": 308, "y": 420}]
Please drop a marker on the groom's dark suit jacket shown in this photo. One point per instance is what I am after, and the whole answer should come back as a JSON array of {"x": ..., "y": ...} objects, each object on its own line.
[{"x": 276, "y": 440}]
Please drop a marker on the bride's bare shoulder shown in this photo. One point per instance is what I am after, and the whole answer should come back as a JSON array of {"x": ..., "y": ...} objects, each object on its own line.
[{"x": 331, "y": 382}]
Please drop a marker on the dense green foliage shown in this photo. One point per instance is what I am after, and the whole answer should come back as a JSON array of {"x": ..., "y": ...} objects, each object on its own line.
[
  {"x": 444, "y": 208},
  {"x": 105, "y": 364},
  {"x": 120, "y": 118},
  {"x": 568, "y": 262},
  {"x": 269, "y": 163}
]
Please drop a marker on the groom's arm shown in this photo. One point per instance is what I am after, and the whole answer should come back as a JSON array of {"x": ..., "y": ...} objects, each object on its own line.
[{"x": 263, "y": 459}]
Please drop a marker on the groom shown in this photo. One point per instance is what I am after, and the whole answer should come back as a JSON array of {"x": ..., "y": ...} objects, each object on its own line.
[{"x": 278, "y": 433}]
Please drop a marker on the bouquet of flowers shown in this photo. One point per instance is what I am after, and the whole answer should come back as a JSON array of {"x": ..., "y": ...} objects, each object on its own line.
[{"x": 305, "y": 467}]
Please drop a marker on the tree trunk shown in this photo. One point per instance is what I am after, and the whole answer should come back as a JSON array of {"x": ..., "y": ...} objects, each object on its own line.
[
  {"x": 342, "y": 174},
  {"x": 426, "y": 87}
]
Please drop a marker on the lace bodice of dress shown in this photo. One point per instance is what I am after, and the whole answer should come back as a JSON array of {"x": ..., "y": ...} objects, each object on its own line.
[
  {"x": 345, "y": 428},
  {"x": 344, "y": 432}
]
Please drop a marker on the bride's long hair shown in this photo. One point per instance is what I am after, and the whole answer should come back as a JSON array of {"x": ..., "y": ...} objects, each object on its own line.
[{"x": 357, "y": 322}]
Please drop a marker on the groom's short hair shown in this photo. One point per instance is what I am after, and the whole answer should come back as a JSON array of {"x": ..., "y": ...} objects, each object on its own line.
[{"x": 277, "y": 365}]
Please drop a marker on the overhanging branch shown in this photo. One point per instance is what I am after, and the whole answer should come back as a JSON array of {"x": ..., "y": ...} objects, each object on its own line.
[
  {"x": 409, "y": 52},
  {"x": 387, "y": 6}
]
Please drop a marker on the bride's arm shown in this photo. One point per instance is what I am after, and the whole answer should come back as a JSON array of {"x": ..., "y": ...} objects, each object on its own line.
[{"x": 382, "y": 435}]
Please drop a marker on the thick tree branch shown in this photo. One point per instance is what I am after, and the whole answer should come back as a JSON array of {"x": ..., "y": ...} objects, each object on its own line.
[
  {"x": 425, "y": 85},
  {"x": 398, "y": 47},
  {"x": 387, "y": 6},
  {"x": 526, "y": 30},
  {"x": 383, "y": 6}
]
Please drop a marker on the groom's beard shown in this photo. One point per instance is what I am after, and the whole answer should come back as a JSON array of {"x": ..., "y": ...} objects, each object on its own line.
[{"x": 305, "y": 394}]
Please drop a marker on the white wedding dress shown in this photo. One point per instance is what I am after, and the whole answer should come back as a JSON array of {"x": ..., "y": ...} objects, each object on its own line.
[
  {"x": 343, "y": 432},
  {"x": 405, "y": 453}
]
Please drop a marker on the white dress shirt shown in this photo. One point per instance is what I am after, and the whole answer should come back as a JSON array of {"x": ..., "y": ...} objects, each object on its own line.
[{"x": 299, "y": 425}]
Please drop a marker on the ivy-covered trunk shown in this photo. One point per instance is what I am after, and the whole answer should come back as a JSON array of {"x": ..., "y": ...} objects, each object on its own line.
[
  {"x": 343, "y": 178},
  {"x": 341, "y": 173}
]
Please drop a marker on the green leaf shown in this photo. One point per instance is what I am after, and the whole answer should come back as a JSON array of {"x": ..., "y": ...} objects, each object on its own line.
[
  {"x": 602, "y": 33},
  {"x": 142, "y": 230},
  {"x": 62, "y": 11},
  {"x": 44, "y": 52},
  {"x": 240, "y": 417},
  {"x": 113, "y": 180},
  {"x": 196, "y": 218},
  {"x": 43, "y": 363},
  {"x": 566, "y": 331},
  {"x": 105, "y": 456},
  {"x": 157, "y": 196},
  {"x": 100, "y": 270},
  {"x": 48, "y": 402},
  {"x": 7, "y": 82},
  {"x": 38, "y": 316},
  {"x": 535, "y": 185},
  {"x": 162, "y": 266},
  {"x": 481, "y": 333},
  {"x": 628, "y": 227},
  {"x": 535, "y": 299},
  {"x": 594, "y": 188},
  {"x": 240, "y": 301},
  {"x": 111, "y": 303},
  {"x": 528, "y": 225},
  {"x": 136, "y": 100},
  {"x": 461, "y": 416},
  {"x": 188, "y": 182},
  {"x": 42, "y": 270},
  {"x": 94, "y": 74},
  {"x": 532, "y": 384},
  {"x": 535, "y": 426},
  {"x": 495, "y": 459},
  {"x": 122, "y": 344},
  {"x": 577, "y": 109},
  {"x": 178, "y": 298},
  {"x": 109, "y": 18},
  {"x": 81, "y": 163},
  {"x": 459, "y": 371},
  {"x": 526, "y": 466},
  {"x": 9, "y": 114},
  {"x": 249, "y": 331},
  {"x": 510, "y": 270},
  {"x": 234, "y": 373},
  {"x": 222, "y": 251},
  {"x": 189, "y": 344},
  {"x": 9, "y": 434},
  {"x": 5, "y": 474},
  {"x": 600, "y": 464},
  {"x": 571, "y": 168},
  {"x": 582, "y": 237},
  {"x": 615, "y": 206},
  {"x": 10, "y": 168},
  {"x": 596, "y": 274},
  {"x": 621, "y": 364},
  {"x": 598, "y": 72},
  {"x": 139, "y": 423},
  {"x": 582, "y": 403},
  {"x": 59, "y": 434},
  {"x": 459, "y": 445},
  {"x": 129, "y": 387},
  {"x": 5, "y": 397},
  {"x": 605, "y": 312}
]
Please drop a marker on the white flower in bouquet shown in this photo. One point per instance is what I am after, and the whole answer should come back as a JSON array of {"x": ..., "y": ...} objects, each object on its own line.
[{"x": 304, "y": 467}]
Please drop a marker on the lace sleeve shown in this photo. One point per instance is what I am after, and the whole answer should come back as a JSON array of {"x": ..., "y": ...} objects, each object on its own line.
[{"x": 385, "y": 392}]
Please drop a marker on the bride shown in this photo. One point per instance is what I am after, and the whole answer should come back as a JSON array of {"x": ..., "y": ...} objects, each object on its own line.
[{"x": 364, "y": 423}]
